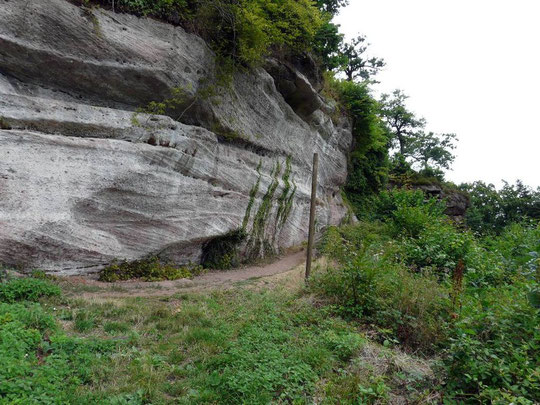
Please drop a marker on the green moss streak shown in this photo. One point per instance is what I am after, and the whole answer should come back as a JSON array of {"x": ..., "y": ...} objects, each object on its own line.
[
  {"x": 252, "y": 194},
  {"x": 257, "y": 239},
  {"x": 285, "y": 199}
]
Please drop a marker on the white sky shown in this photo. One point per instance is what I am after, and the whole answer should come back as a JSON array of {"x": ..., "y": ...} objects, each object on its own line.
[{"x": 471, "y": 67}]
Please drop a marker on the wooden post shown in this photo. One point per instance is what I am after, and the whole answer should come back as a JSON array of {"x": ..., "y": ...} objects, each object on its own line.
[{"x": 312, "y": 209}]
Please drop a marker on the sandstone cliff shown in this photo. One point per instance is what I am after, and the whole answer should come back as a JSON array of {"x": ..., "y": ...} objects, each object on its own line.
[{"x": 84, "y": 180}]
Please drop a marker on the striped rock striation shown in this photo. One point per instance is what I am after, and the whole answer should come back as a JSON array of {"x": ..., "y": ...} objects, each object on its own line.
[{"x": 86, "y": 179}]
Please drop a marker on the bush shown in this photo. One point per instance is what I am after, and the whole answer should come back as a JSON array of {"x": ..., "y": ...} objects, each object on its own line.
[
  {"x": 367, "y": 284},
  {"x": 438, "y": 246},
  {"x": 407, "y": 211},
  {"x": 368, "y": 162},
  {"x": 242, "y": 30},
  {"x": 494, "y": 349},
  {"x": 27, "y": 289},
  {"x": 150, "y": 269},
  {"x": 518, "y": 244}
]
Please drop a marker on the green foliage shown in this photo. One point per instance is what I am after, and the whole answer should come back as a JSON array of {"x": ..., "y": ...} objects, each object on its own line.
[
  {"x": 412, "y": 143},
  {"x": 355, "y": 63},
  {"x": 402, "y": 123},
  {"x": 428, "y": 242},
  {"x": 368, "y": 284},
  {"x": 438, "y": 248},
  {"x": 264, "y": 24},
  {"x": 433, "y": 151},
  {"x": 26, "y": 289},
  {"x": 242, "y": 30},
  {"x": 331, "y": 6},
  {"x": 285, "y": 200},
  {"x": 435, "y": 286},
  {"x": 491, "y": 210},
  {"x": 327, "y": 43},
  {"x": 258, "y": 243},
  {"x": 222, "y": 252},
  {"x": 367, "y": 173},
  {"x": 38, "y": 362},
  {"x": 493, "y": 354},
  {"x": 252, "y": 194},
  {"x": 84, "y": 322},
  {"x": 149, "y": 269},
  {"x": 407, "y": 212},
  {"x": 265, "y": 364},
  {"x": 519, "y": 246}
]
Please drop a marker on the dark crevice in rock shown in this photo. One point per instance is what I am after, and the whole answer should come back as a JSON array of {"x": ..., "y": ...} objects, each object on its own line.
[
  {"x": 244, "y": 144},
  {"x": 295, "y": 88}
]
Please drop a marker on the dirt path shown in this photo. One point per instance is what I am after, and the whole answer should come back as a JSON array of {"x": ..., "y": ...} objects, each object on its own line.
[{"x": 87, "y": 288}]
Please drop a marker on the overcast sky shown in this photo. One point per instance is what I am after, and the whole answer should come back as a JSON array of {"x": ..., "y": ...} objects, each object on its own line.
[{"x": 471, "y": 67}]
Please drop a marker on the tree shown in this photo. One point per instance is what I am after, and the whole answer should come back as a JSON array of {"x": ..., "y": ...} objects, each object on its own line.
[
  {"x": 492, "y": 210},
  {"x": 433, "y": 150},
  {"x": 331, "y": 6},
  {"x": 356, "y": 64},
  {"x": 368, "y": 161},
  {"x": 327, "y": 45},
  {"x": 403, "y": 124}
]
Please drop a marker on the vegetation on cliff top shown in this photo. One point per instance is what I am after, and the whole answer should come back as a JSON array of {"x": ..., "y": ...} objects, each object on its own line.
[{"x": 244, "y": 31}]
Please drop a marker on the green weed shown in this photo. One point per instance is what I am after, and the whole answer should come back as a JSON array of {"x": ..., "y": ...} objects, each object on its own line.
[{"x": 150, "y": 269}]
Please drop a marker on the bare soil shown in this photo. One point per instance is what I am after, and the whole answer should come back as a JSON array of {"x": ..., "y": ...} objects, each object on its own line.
[{"x": 285, "y": 270}]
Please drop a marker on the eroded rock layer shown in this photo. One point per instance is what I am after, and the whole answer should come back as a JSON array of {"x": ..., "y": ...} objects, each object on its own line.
[{"x": 85, "y": 180}]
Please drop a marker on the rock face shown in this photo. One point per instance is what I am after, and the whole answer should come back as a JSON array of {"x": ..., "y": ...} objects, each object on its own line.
[
  {"x": 456, "y": 203},
  {"x": 85, "y": 180}
]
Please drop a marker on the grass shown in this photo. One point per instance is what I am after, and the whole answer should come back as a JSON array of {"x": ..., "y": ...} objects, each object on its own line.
[{"x": 239, "y": 345}]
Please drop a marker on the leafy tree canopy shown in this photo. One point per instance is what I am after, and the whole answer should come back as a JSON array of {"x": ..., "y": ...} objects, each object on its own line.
[
  {"x": 327, "y": 44},
  {"x": 492, "y": 210},
  {"x": 355, "y": 64},
  {"x": 403, "y": 124},
  {"x": 331, "y": 6},
  {"x": 408, "y": 136},
  {"x": 433, "y": 150}
]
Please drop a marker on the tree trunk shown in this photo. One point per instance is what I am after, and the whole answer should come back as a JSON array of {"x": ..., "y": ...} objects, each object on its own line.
[{"x": 401, "y": 141}]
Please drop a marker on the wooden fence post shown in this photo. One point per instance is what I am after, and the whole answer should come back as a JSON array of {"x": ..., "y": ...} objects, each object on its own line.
[{"x": 311, "y": 236}]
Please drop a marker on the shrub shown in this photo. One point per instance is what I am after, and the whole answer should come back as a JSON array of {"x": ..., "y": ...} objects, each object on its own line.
[
  {"x": 27, "y": 289},
  {"x": 368, "y": 162},
  {"x": 517, "y": 244},
  {"x": 242, "y": 30},
  {"x": 340, "y": 242},
  {"x": 367, "y": 284},
  {"x": 407, "y": 211},
  {"x": 494, "y": 348},
  {"x": 149, "y": 269},
  {"x": 438, "y": 246},
  {"x": 414, "y": 309}
]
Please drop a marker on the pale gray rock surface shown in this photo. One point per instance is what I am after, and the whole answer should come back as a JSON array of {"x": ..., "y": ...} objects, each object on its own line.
[{"x": 84, "y": 180}]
